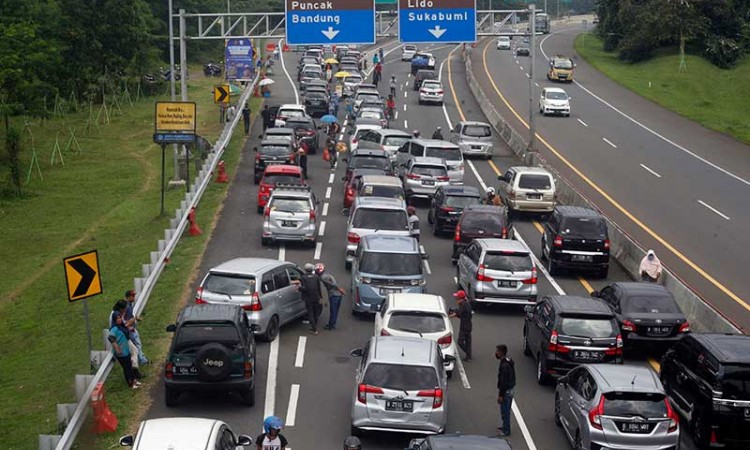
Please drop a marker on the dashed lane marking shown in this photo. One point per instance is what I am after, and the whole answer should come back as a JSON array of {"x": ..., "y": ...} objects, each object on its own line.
[
  {"x": 582, "y": 122},
  {"x": 299, "y": 360},
  {"x": 328, "y": 192},
  {"x": 713, "y": 209},
  {"x": 651, "y": 171},
  {"x": 318, "y": 250},
  {"x": 330, "y": 178},
  {"x": 322, "y": 229},
  {"x": 609, "y": 142},
  {"x": 325, "y": 209},
  {"x": 291, "y": 413}
]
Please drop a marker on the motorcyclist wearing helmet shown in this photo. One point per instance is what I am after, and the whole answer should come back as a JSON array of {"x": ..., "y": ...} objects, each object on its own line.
[
  {"x": 415, "y": 134},
  {"x": 413, "y": 221},
  {"x": 271, "y": 439},
  {"x": 437, "y": 134},
  {"x": 335, "y": 292},
  {"x": 492, "y": 198},
  {"x": 352, "y": 443}
]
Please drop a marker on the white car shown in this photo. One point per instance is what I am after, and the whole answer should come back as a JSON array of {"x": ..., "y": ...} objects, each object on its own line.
[
  {"x": 418, "y": 315},
  {"x": 554, "y": 101},
  {"x": 431, "y": 91},
  {"x": 503, "y": 43},
  {"x": 351, "y": 82},
  {"x": 186, "y": 433},
  {"x": 357, "y": 132},
  {"x": 288, "y": 111},
  {"x": 408, "y": 51}
]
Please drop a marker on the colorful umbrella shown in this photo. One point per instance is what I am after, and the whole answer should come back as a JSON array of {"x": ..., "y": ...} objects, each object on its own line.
[
  {"x": 329, "y": 119},
  {"x": 342, "y": 74}
]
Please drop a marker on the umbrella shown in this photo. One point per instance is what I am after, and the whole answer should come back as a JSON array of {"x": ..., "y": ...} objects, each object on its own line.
[
  {"x": 265, "y": 82},
  {"x": 329, "y": 119},
  {"x": 234, "y": 89},
  {"x": 331, "y": 61},
  {"x": 342, "y": 74}
]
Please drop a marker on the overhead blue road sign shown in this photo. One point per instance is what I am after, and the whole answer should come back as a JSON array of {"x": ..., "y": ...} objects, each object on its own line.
[
  {"x": 330, "y": 22},
  {"x": 433, "y": 21}
]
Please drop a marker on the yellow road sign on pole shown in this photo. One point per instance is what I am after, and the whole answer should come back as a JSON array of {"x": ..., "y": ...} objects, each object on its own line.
[
  {"x": 82, "y": 275},
  {"x": 221, "y": 93}
]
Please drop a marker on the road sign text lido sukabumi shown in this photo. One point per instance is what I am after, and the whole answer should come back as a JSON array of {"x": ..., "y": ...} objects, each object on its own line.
[
  {"x": 330, "y": 22},
  {"x": 426, "y": 21}
]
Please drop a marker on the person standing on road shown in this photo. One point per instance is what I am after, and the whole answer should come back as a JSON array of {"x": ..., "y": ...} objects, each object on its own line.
[
  {"x": 303, "y": 159},
  {"x": 380, "y": 53},
  {"x": 246, "y": 118},
  {"x": 334, "y": 294},
  {"x": 335, "y": 102},
  {"x": 374, "y": 58},
  {"x": 271, "y": 438},
  {"x": 464, "y": 315},
  {"x": 379, "y": 70},
  {"x": 393, "y": 85},
  {"x": 231, "y": 112},
  {"x": 506, "y": 381},
  {"x": 267, "y": 119},
  {"x": 413, "y": 222},
  {"x": 650, "y": 267},
  {"x": 119, "y": 340},
  {"x": 312, "y": 293},
  {"x": 437, "y": 134},
  {"x": 131, "y": 321}
]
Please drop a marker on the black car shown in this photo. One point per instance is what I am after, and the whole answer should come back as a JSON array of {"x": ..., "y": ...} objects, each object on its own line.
[
  {"x": 272, "y": 152},
  {"x": 564, "y": 331},
  {"x": 477, "y": 222},
  {"x": 448, "y": 204},
  {"x": 423, "y": 75},
  {"x": 316, "y": 103},
  {"x": 456, "y": 441},
  {"x": 213, "y": 348},
  {"x": 647, "y": 313},
  {"x": 576, "y": 238},
  {"x": 707, "y": 378},
  {"x": 306, "y": 131},
  {"x": 522, "y": 50},
  {"x": 368, "y": 159}
]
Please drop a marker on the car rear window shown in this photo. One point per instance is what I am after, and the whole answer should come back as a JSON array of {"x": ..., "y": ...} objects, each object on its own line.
[
  {"x": 477, "y": 131},
  {"x": 391, "y": 264},
  {"x": 649, "y": 305},
  {"x": 286, "y": 178},
  {"x": 486, "y": 221},
  {"x": 585, "y": 228},
  {"x": 220, "y": 283},
  {"x": 461, "y": 201},
  {"x": 290, "y": 204},
  {"x": 629, "y": 404},
  {"x": 508, "y": 261},
  {"x": 192, "y": 336},
  {"x": 430, "y": 171},
  {"x": 291, "y": 113},
  {"x": 534, "y": 181},
  {"x": 589, "y": 327},
  {"x": 373, "y": 190},
  {"x": 451, "y": 154},
  {"x": 315, "y": 94},
  {"x": 367, "y": 96},
  {"x": 369, "y": 162},
  {"x": 736, "y": 381},
  {"x": 416, "y": 322},
  {"x": 270, "y": 150},
  {"x": 354, "y": 79},
  {"x": 432, "y": 85},
  {"x": 398, "y": 377},
  {"x": 380, "y": 219},
  {"x": 370, "y": 114},
  {"x": 395, "y": 141}
]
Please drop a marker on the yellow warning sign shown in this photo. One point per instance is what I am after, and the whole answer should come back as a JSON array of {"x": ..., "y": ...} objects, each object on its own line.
[
  {"x": 175, "y": 117},
  {"x": 82, "y": 275}
]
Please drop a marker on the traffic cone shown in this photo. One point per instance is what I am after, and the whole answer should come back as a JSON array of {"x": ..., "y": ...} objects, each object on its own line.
[
  {"x": 104, "y": 420},
  {"x": 285, "y": 48},
  {"x": 194, "y": 229},
  {"x": 222, "y": 177}
]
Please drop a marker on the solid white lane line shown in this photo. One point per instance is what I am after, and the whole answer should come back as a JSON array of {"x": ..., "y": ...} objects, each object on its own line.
[
  {"x": 289, "y": 77},
  {"x": 330, "y": 178},
  {"x": 541, "y": 267},
  {"x": 713, "y": 209},
  {"x": 652, "y": 171},
  {"x": 318, "y": 250},
  {"x": 609, "y": 142},
  {"x": 322, "y": 229},
  {"x": 582, "y": 122},
  {"x": 328, "y": 192},
  {"x": 325, "y": 209},
  {"x": 273, "y": 365},
  {"x": 291, "y": 413},
  {"x": 406, "y": 124},
  {"x": 299, "y": 360},
  {"x": 425, "y": 262},
  {"x": 462, "y": 373},
  {"x": 522, "y": 426},
  {"x": 282, "y": 252}
]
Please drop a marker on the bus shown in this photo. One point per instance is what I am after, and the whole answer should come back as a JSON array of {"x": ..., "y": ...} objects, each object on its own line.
[{"x": 542, "y": 23}]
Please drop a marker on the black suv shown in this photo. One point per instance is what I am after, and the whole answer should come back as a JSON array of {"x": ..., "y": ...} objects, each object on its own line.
[
  {"x": 564, "y": 331},
  {"x": 447, "y": 205},
  {"x": 306, "y": 131},
  {"x": 478, "y": 222},
  {"x": 272, "y": 151},
  {"x": 707, "y": 379},
  {"x": 423, "y": 75},
  {"x": 316, "y": 103},
  {"x": 647, "y": 313},
  {"x": 213, "y": 348},
  {"x": 576, "y": 238}
]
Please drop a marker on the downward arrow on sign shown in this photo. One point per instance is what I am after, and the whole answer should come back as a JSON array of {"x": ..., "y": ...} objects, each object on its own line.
[
  {"x": 437, "y": 32},
  {"x": 330, "y": 33}
]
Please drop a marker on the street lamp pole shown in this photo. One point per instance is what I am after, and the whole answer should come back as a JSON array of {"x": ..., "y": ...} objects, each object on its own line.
[{"x": 532, "y": 124}]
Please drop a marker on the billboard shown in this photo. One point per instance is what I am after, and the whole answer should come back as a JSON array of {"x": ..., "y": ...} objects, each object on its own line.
[{"x": 238, "y": 60}]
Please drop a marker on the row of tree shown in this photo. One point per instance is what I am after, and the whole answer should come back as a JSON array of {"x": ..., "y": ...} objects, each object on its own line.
[{"x": 716, "y": 29}]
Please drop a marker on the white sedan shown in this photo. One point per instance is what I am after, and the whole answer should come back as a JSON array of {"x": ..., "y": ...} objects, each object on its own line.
[{"x": 431, "y": 91}]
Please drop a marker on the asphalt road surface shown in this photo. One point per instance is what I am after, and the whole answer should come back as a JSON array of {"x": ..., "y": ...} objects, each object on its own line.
[
  {"x": 673, "y": 185},
  {"x": 312, "y": 387}
]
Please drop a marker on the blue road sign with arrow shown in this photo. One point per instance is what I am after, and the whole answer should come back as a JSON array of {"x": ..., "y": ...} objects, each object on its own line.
[
  {"x": 435, "y": 21},
  {"x": 330, "y": 22}
]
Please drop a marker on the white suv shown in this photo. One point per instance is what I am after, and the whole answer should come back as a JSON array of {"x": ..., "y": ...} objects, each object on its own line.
[
  {"x": 185, "y": 432},
  {"x": 289, "y": 111},
  {"x": 554, "y": 101},
  {"x": 503, "y": 43},
  {"x": 408, "y": 51}
]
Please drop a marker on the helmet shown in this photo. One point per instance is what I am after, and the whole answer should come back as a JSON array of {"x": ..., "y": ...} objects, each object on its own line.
[
  {"x": 490, "y": 191},
  {"x": 393, "y": 77},
  {"x": 320, "y": 268},
  {"x": 272, "y": 423},
  {"x": 438, "y": 128},
  {"x": 352, "y": 443},
  {"x": 416, "y": 133},
  {"x": 411, "y": 210},
  {"x": 309, "y": 267}
]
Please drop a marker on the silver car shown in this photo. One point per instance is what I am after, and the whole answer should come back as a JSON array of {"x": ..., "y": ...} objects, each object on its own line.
[
  {"x": 262, "y": 287},
  {"x": 401, "y": 386},
  {"x": 498, "y": 271},
  {"x": 290, "y": 215},
  {"x": 369, "y": 215},
  {"x": 473, "y": 138},
  {"x": 423, "y": 176},
  {"x": 615, "y": 407},
  {"x": 434, "y": 148}
]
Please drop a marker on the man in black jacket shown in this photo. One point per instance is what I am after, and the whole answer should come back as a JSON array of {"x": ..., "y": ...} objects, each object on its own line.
[
  {"x": 464, "y": 314},
  {"x": 506, "y": 381},
  {"x": 312, "y": 294}
]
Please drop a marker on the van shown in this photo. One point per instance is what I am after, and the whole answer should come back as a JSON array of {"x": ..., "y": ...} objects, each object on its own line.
[
  {"x": 528, "y": 189},
  {"x": 474, "y": 138},
  {"x": 435, "y": 148}
]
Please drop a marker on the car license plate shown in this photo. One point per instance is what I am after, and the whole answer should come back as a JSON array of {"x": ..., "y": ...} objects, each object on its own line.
[
  {"x": 587, "y": 355},
  {"x": 428, "y": 182},
  {"x": 658, "y": 331},
  {"x": 288, "y": 223},
  {"x": 635, "y": 427},
  {"x": 534, "y": 196},
  {"x": 507, "y": 283},
  {"x": 386, "y": 291},
  {"x": 399, "y": 405},
  {"x": 581, "y": 258},
  {"x": 187, "y": 370}
]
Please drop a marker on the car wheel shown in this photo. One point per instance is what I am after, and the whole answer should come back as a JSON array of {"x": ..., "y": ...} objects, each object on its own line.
[
  {"x": 272, "y": 329},
  {"x": 458, "y": 279},
  {"x": 699, "y": 428},
  {"x": 171, "y": 397},
  {"x": 265, "y": 242},
  {"x": 256, "y": 179},
  {"x": 248, "y": 396},
  {"x": 578, "y": 442},
  {"x": 526, "y": 349},
  {"x": 542, "y": 377},
  {"x": 421, "y": 102},
  {"x": 603, "y": 272},
  {"x": 354, "y": 431},
  {"x": 558, "y": 422},
  {"x": 449, "y": 374},
  {"x": 348, "y": 265}
]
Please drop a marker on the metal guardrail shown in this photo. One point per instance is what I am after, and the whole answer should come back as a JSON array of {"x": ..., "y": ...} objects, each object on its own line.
[{"x": 71, "y": 416}]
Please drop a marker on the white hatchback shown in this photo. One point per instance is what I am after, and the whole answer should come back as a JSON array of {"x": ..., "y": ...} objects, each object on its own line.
[
  {"x": 289, "y": 111},
  {"x": 186, "y": 433}
]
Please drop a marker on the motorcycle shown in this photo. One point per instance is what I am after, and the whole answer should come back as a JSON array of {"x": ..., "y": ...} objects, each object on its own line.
[{"x": 212, "y": 70}]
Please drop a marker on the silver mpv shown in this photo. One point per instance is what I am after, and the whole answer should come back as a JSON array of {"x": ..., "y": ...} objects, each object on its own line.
[
  {"x": 422, "y": 176},
  {"x": 401, "y": 386},
  {"x": 473, "y": 138},
  {"x": 370, "y": 215},
  {"x": 262, "y": 287},
  {"x": 290, "y": 215},
  {"x": 609, "y": 406}
]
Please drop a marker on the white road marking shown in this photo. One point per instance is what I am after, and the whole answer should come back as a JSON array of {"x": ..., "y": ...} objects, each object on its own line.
[
  {"x": 273, "y": 365},
  {"x": 425, "y": 262},
  {"x": 318, "y": 250},
  {"x": 291, "y": 413},
  {"x": 406, "y": 93},
  {"x": 328, "y": 192},
  {"x": 330, "y": 178},
  {"x": 299, "y": 360},
  {"x": 518, "y": 62},
  {"x": 582, "y": 122},
  {"x": 283, "y": 66},
  {"x": 652, "y": 171},
  {"x": 713, "y": 209},
  {"x": 322, "y": 229},
  {"x": 536, "y": 84},
  {"x": 609, "y": 142},
  {"x": 406, "y": 124},
  {"x": 528, "y": 76},
  {"x": 462, "y": 373},
  {"x": 541, "y": 267},
  {"x": 325, "y": 209},
  {"x": 404, "y": 107},
  {"x": 395, "y": 115},
  {"x": 282, "y": 252},
  {"x": 522, "y": 426}
]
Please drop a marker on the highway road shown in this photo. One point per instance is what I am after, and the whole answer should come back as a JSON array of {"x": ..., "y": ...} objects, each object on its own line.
[
  {"x": 308, "y": 380},
  {"x": 673, "y": 185}
]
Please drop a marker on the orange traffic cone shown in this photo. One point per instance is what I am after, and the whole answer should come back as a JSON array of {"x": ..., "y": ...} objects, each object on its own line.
[
  {"x": 194, "y": 229},
  {"x": 222, "y": 177},
  {"x": 104, "y": 420}
]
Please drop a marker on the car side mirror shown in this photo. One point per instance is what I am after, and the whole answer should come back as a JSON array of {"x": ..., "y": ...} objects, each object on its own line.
[
  {"x": 425, "y": 256},
  {"x": 126, "y": 441},
  {"x": 502, "y": 178},
  {"x": 447, "y": 359},
  {"x": 171, "y": 328},
  {"x": 254, "y": 327},
  {"x": 356, "y": 353},
  {"x": 244, "y": 440},
  {"x": 346, "y": 160},
  {"x": 345, "y": 211}
]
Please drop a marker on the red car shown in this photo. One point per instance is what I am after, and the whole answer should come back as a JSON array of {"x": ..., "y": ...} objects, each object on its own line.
[{"x": 277, "y": 174}]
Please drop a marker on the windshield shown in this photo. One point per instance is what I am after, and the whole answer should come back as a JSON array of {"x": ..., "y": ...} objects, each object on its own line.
[
  {"x": 229, "y": 284},
  {"x": 391, "y": 264},
  {"x": 398, "y": 377},
  {"x": 368, "y": 96},
  {"x": 736, "y": 381},
  {"x": 395, "y": 141},
  {"x": 380, "y": 219},
  {"x": 370, "y": 114},
  {"x": 554, "y": 95},
  {"x": 509, "y": 262},
  {"x": 564, "y": 64},
  {"x": 382, "y": 191},
  {"x": 590, "y": 228},
  {"x": 590, "y": 327},
  {"x": 290, "y": 204},
  {"x": 649, "y": 305},
  {"x": 282, "y": 178},
  {"x": 353, "y": 79},
  {"x": 628, "y": 404},
  {"x": 527, "y": 181},
  {"x": 269, "y": 150},
  {"x": 461, "y": 201},
  {"x": 190, "y": 336},
  {"x": 417, "y": 321},
  {"x": 451, "y": 154},
  {"x": 410, "y": 48},
  {"x": 369, "y": 162},
  {"x": 429, "y": 171},
  {"x": 477, "y": 131}
]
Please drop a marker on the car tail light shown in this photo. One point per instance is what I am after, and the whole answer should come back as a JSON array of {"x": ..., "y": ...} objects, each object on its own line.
[
  {"x": 504, "y": 233},
  {"x": 674, "y": 419},
  {"x": 310, "y": 133},
  {"x": 436, "y": 394},
  {"x": 254, "y": 304},
  {"x": 595, "y": 415},
  {"x": 266, "y": 212},
  {"x": 264, "y": 188},
  {"x": 169, "y": 370},
  {"x": 481, "y": 276},
  {"x": 312, "y": 215},
  {"x": 248, "y": 370},
  {"x": 446, "y": 340},
  {"x": 439, "y": 92},
  {"x": 457, "y": 235},
  {"x": 627, "y": 325},
  {"x": 199, "y": 296},
  {"x": 352, "y": 237},
  {"x": 354, "y": 141},
  {"x": 554, "y": 347},
  {"x": 443, "y": 178},
  {"x": 447, "y": 209},
  {"x": 365, "y": 389},
  {"x": 291, "y": 158},
  {"x": 606, "y": 244},
  {"x": 384, "y": 332},
  {"x": 413, "y": 176},
  {"x": 533, "y": 279},
  {"x": 714, "y": 438},
  {"x": 349, "y": 192},
  {"x": 685, "y": 327},
  {"x": 558, "y": 241}
]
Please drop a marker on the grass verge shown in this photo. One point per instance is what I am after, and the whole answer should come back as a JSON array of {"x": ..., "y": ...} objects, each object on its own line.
[
  {"x": 105, "y": 198},
  {"x": 704, "y": 93}
]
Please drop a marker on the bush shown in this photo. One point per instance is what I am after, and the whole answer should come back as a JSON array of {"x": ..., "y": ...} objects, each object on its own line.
[{"x": 723, "y": 52}]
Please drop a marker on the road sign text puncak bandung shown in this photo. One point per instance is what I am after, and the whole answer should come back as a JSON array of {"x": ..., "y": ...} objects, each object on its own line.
[{"x": 330, "y": 22}]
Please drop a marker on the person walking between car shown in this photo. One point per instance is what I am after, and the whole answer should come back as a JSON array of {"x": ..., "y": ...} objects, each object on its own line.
[
  {"x": 492, "y": 198},
  {"x": 246, "y": 119},
  {"x": 413, "y": 222},
  {"x": 380, "y": 54},
  {"x": 119, "y": 340},
  {"x": 335, "y": 292},
  {"x": 231, "y": 112},
  {"x": 271, "y": 438},
  {"x": 267, "y": 118},
  {"x": 311, "y": 295},
  {"x": 390, "y": 108},
  {"x": 302, "y": 159},
  {"x": 437, "y": 134},
  {"x": 506, "y": 382},
  {"x": 131, "y": 321},
  {"x": 393, "y": 85},
  {"x": 335, "y": 102},
  {"x": 379, "y": 70},
  {"x": 464, "y": 315},
  {"x": 650, "y": 267}
]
